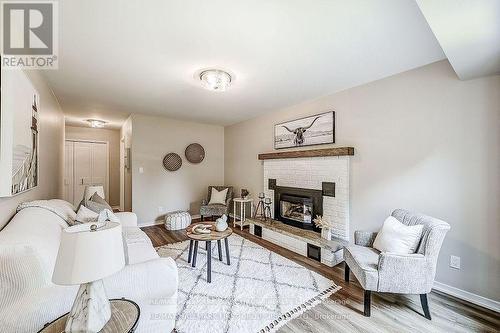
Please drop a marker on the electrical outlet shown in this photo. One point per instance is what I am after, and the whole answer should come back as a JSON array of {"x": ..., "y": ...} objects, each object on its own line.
[
  {"x": 455, "y": 262},
  {"x": 160, "y": 209},
  {"x": 141, "y": 170}
]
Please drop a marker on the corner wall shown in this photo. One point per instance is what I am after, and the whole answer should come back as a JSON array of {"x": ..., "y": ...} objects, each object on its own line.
[
  {"x": 425, "y": 141},
  {"x": 157, "y": 191},
  {"x": 51, "y": 145}
]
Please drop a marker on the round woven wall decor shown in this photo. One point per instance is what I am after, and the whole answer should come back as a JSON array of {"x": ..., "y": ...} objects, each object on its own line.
[
  {"x": 172, "y": 162},
  {"x": 195, "y": 153}
]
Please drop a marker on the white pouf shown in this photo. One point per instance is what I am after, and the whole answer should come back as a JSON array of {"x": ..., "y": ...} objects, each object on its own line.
[{"x": 177, "y": 220}]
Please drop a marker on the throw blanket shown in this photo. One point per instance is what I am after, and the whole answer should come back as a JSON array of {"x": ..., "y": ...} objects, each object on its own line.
[{"x": 61, "y": 208}]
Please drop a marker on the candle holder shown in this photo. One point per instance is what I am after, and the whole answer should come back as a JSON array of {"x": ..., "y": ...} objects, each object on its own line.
[
  {"x": 260, "y": 209},
  {"x": 267, "y": 208}
]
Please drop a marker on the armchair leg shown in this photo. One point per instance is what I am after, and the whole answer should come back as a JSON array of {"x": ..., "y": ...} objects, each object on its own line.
[
  {"x": 367, "y": 312},
  {"x": 202, "y": 218},
  {"x": 425, "y": 306},
  {"x": 346, "y": 272}
]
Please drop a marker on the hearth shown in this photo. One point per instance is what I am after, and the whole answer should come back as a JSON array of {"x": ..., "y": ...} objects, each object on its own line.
[{"x": 297, "y": 206}]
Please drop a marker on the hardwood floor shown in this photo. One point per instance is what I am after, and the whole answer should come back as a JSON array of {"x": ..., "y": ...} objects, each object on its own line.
[{"x": 343, "y": 311}]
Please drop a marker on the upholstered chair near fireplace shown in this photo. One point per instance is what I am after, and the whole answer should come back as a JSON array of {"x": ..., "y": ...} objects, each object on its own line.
[
  {"x": 397, "y": 273},
  {"x": 218, "y": 201}
]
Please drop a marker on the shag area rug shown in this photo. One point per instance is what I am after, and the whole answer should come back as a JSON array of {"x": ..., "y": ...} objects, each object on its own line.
[{"x": 259, "y": 292}]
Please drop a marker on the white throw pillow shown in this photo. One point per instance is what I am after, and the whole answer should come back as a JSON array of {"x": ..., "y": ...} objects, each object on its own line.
[
  {"x": 218, "y": 197},
  {"x": 85, "y": 215},
  {"x": 395, "y": 237}
]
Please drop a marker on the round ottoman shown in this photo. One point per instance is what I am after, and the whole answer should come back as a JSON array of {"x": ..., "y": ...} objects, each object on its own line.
[{"x": 177, "y": 220}]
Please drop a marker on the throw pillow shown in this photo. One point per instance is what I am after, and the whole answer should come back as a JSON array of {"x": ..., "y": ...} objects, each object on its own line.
[
  {"x": 97, "y": 204},
  {"x": 395, "y": 237},
  {"x": 218, "y": 197},
  {"x": 86, "y": 215}
]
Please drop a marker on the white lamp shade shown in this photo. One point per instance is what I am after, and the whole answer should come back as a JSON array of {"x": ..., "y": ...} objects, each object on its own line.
[
  {"x": 91, "y": 189},
  {"x": 86, "y": 256}
]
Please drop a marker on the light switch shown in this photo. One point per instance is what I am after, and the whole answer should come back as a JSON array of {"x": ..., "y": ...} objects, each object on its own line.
[{"x": 141, "y": 170}]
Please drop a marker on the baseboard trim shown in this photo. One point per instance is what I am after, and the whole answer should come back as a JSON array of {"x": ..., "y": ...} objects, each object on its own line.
[
  {"x": 149, "y": 224},
  {"x": 467, "y": 296}
]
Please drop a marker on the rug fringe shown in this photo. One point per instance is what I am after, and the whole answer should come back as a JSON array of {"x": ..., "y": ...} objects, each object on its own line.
[{"x": 298, "y": 310}]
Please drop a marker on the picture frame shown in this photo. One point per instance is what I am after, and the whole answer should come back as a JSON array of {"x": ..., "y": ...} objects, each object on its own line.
[{"x": 318, "y": 129}]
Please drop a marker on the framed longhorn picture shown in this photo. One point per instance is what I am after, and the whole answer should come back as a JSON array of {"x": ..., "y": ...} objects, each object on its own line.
[{"x": 312, "y": 130}]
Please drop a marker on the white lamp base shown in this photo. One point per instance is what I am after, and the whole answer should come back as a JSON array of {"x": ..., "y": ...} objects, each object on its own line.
[{"x": 91, "y": 309}]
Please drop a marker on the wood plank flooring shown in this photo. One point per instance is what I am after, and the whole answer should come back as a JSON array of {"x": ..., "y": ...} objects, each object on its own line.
[{"x": 343, "y": 311}]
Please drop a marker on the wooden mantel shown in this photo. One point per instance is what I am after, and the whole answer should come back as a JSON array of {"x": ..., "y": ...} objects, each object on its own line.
[{"x": 340, "y": 151}]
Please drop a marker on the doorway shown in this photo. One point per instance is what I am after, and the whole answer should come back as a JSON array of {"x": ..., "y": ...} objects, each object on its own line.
[{"x": 85, "y": 163}]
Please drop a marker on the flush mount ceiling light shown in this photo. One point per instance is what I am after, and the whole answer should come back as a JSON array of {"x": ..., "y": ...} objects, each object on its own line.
[
  {"x": 96, "y": 123},
  {"x": 215, "y": 79}
]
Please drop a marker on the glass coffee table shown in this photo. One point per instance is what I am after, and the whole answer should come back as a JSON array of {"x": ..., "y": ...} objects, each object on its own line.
[{"x": 208, "y": 239}]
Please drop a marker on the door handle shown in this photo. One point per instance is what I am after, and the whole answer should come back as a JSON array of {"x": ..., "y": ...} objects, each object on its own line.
[{"x": 81, "y": 181}]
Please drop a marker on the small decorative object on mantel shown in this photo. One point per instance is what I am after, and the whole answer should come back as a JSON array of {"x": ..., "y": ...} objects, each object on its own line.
[
  {"x": 325, "y": 226},
  {"x": 313, "y": 130},
  {"x": 195, "y": 153},
  {"x": 172, "y": 162},
  {"x": 221, "y": 223},
  {"x": 244, "y": 193}
]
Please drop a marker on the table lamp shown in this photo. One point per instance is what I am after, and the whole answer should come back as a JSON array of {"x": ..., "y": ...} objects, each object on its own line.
[{"x": 88, "y": 253}]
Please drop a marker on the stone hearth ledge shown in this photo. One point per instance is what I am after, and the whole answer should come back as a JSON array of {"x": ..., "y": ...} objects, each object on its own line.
[{"x": 331, "y": 250}]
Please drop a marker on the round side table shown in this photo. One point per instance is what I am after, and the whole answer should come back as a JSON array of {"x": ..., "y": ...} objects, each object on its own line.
[
  {"x": 124, "y": 317},
  {"x": 208, "y": 239}
]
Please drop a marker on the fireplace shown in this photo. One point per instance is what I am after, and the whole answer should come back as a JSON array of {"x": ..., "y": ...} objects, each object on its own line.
[{"x": 297, "y": 206}]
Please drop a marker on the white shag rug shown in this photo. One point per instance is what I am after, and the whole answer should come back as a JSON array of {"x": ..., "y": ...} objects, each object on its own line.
[{"x": 259, "y": 292}]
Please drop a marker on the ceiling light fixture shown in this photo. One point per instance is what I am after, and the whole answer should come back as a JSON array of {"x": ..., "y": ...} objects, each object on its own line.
[
  {"x": 96, "y": 123},
  {"x": 215, "y": 79}
]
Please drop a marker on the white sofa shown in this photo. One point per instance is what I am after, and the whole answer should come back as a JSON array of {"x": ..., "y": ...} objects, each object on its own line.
[{"x": 28, "y": 298}]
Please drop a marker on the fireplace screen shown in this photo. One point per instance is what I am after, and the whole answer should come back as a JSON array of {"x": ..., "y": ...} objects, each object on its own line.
[{"x": 296, "y": 208}]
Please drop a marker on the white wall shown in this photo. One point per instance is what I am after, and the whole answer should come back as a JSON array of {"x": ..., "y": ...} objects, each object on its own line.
[
  {"x": 51, "y": 145},
  {"x": 424, "y": 140},
  {"x": 152, "y": 139}
]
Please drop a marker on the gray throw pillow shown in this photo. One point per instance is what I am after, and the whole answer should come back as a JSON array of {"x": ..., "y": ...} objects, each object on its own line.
[{"x": 97, "y": 204}]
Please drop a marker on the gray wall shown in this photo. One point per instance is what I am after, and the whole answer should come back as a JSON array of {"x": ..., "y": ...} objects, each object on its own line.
[
  {"x": 152, "y": 139},
  {"x": 112, "y": 136},
  {"x": 424, "y": 141},
  {"x": 51, "y": 144}
]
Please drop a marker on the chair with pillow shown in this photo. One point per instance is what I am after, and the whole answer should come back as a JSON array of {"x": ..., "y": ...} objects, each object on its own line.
[
  {"x": 401, "y": 258},
  {"x": 218, "y": 201}
]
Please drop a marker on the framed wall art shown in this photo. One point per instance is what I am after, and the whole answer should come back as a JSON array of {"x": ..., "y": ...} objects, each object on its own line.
[{"x": 312, "y": 130}]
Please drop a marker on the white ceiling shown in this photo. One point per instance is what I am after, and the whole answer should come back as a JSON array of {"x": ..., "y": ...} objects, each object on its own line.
[
  {"x": 119, "y": 57},
  {"x": 469, "y": 33}
]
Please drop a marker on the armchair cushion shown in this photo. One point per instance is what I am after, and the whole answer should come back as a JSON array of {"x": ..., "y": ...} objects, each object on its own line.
[
  {"x": 363, "y": 262},
  {"x": 405, "y": 273},
  {"x": 218, "y": 197},
  {"x": 395, "y": 237},
  {"x": 364, "y": 238}
]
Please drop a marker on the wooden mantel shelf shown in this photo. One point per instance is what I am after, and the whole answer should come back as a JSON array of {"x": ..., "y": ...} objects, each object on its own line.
[{"x": 340, "y": 151}]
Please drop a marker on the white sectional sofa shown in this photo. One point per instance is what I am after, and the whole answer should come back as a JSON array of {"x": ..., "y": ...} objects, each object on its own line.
[{"x": 28, "y": 298}]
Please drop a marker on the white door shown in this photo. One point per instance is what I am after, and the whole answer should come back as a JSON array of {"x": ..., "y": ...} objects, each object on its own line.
[
  {"x": 100, "y": 165},
  {"x": 68, "y": 171},
  {"x": 82, "y": 169}
]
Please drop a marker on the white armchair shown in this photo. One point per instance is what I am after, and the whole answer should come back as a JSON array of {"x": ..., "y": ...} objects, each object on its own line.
[{"x": 396, "y": 273}]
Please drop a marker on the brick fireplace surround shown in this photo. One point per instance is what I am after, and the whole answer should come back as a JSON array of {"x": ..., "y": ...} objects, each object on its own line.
[
  {"x": 310, "y": 173},
  {"x": 313, "y": 170}
]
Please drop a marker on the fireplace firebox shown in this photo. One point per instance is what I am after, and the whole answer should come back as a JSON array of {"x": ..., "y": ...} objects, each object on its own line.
[{"x": 297, "y": 206}]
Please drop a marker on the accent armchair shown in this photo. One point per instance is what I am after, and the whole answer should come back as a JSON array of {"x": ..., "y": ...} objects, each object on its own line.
[
  {"x": 396, "y": 273},
  {"x": 217, "y": 209}
]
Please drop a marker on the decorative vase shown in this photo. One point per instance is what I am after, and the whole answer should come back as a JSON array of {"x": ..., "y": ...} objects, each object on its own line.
[
  {"x": 326, "y": 233},
  {"x": 221, "y": 223}
]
